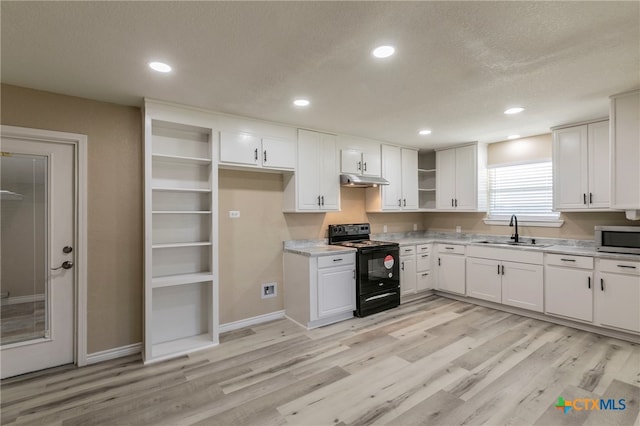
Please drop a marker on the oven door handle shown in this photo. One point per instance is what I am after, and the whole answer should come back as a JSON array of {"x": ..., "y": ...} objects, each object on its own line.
[{"x": 380, "y": 296}]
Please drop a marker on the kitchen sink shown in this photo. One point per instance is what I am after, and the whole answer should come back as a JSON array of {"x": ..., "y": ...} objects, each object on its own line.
[{"x": 512, "y": 243}]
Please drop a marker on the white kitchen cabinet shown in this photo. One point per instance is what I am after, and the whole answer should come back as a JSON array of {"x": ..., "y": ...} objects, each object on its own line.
[
  {"x": 180, "y": 268},
  {"x": 484, "y": 280},
  {"x": 568, "y": 286},
  {"x": 461, "y": 178},
  {"x": 581, "y": 167},
  {"x": 408, "y": 278},
  {"x": 315, "y": 186},
  {"x": 522, "y": 285},
  {"x": 359, "y": 162},
  {"x": 427, "y": 180},
  {"x": 617, "y": 294},
  {"x": 400, "y": 168},
  {"x": 319, "y": 290},
  {"x": 451, "y": 268},
  {"x": 625, "y": 152},
  {"x": 247, "y": 150},
  {"x": 424, "y": 280}
]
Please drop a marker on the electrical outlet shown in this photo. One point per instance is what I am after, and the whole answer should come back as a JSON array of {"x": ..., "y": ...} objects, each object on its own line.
[
  {"x": 415, "y": 226},
  {"x": 458, "y": 229},
  {"x": 234, "y": 214},
  {"x": 269, "y": 290},
  {"x": 384, "y": 228}
]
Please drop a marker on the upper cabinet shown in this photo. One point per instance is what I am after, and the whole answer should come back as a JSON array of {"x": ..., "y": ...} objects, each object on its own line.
[
  {"x": 427, "y": 180},
  {"x": 461, "y": 178},
  {"x": 248, "y": 150},
  {"x": 625, "y": 153},
  {"x": 400, "y": 168},
  {"x": 315, "y": 187},
  {"x": 359, "y": 156},
  {"x": 581, "y": 167}
]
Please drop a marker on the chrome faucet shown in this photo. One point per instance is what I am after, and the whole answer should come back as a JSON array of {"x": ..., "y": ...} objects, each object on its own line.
[{"x": 515, "y": 236}]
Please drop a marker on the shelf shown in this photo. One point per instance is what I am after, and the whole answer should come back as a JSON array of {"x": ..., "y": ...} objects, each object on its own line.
[
  {"x": 167, "y": 189},
  {"x": 173, "y": 280},
  {"x": 427, "y": 170},
  {"x": 181, "y": 212},
  {"x": 182, "y": 346},
  {"x": 180, "y": 159},
  {"x": 177, "y": 245},
  {"x": 426, "y": 189}
]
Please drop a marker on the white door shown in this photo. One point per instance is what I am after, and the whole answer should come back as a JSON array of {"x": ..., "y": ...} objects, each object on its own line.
[
  {"x": 570, "y": 177},
  {"x": 599, "y": 180},
  {"x": 37, "y": 254},
  {"x": 391, "y": 171},
  {"x": 569, "y": 292},
  {"x": 308, "y": 170},
  {"x": 409, "y": 179},
  {"x": 408, "y": 276},
  {"x": 451, "y": 273},
  {"x": 483, "y": 279},
  {"x": 522, "y": 285},
  {"x": 445, "y": 179},
  {"x": 466, "y": 172},
  {"x": 240, "y": 148},
  {"x": 278, "y": 153},
  {"x": 351, "y": 161},
  {"x": 329, "y": 177},
  {"x": 336, "y": 290}
]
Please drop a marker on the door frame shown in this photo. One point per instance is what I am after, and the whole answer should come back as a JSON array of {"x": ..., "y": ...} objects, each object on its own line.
[{"x": 79, "y": 143}]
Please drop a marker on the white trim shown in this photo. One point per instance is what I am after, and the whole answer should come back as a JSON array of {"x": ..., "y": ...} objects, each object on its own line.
[
  {"x": 247, "y": 322},
  {"x": 553, "y": 223},
  {"x": 23, "y": 299},
  {"x": 79, "y": 142},
  {"x": 114, "y": 353},
  {"x": 520, "y": 163}
]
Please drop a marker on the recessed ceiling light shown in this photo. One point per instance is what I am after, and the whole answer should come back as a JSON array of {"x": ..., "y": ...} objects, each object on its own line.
[
  {"x": 160, "y": 66},
  {"x": 424, "y": 132},
  {"x": 383, "y": 51},
  {"x": 514, "y": 110},
  {"x": 301, "y": 102},
  {"x": 513, "y": 137}
]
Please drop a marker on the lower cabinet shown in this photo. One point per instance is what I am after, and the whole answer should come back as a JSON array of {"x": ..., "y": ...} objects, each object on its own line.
[
  {"x": 415, "y": 269},
  {"x": 522, "y": 285},
  {"x": 569, "y": 286},
  {"x": 617, "y": 294},
  {"x": 319, "y": 290},
  {"x": 408, "y": 278},
  {"x": 451, "y": 268},
  {"x": 483, "y": 279}
]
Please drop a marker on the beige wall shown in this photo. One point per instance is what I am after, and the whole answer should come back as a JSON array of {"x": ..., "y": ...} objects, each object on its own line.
[
  {"x": 114, "y": 203},
  {"x": 534, "y": 148}
]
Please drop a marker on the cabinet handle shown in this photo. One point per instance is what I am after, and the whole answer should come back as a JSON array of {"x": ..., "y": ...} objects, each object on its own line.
[
  {"x": 338, "y": 260},
  {"x": 498, "y": 269},
  {"x": 399, "y": 202},
  {"x": 359, "y": 165},
  {"x": 589, "y": 282},
  {"x": 354, "y": 274},
  {"x": 265, "y": 155},
  {"x": 404, "y": 201},
  {"x": 452, "y": 202},
  {"x": 318, "y": 201},
  {"x": 322, "y": 199},
  {"x": 365, "y": 166},
  {"x": 402, "y": 265},
  {"x": 425, "y": 274},
  {"x": 438, "y": 261},
  {"x": 584, "y": 198},
  {"x": 626, "y": 266},
  {"x": 255, "y": 154},
  {"x": 425, "y": 255},
  {"x": 590, "y": 198},
  {"x": 568, "y": 260},
  {"x": 456, "y": 202},
  {"x": 502, "y": 269},
  {"x": 449, "y": 248},
  {"x": 601, "y": 284}
]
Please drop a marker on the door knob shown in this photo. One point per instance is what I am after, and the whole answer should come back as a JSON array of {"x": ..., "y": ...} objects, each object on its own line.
[{"x": 65, "y": 265}]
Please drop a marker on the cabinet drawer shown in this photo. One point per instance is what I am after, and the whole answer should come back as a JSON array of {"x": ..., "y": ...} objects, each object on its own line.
[
  {"x": 336, "y": 260},
  {"x": 451, "y": 248},
  {"x": 423, "y": 281},
  {"x": 423, "y": 248},
  {"x": 620, "y": 267},
  {"x": 568, "y": 261},
  {"x": 423, "y": 262},
  {"x": 404, "y": 250}
]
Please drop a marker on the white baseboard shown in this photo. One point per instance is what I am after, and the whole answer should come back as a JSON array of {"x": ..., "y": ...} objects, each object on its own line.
[
  {"x": 114, "y": 353},
  {"x": 23, "y": 299},
  {"x": 230, "y": 326}
]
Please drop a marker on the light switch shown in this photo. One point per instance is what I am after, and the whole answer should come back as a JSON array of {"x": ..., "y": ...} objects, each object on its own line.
[{"x": 233, "y": 214}]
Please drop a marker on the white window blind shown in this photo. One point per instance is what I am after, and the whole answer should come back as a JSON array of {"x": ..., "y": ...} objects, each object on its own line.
[{"x": 525, "y": 190}]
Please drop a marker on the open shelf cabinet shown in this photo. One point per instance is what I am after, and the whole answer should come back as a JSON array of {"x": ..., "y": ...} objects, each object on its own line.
[
  {"x": 181, "y": 280},
  {"x": 427, "y": 180}
]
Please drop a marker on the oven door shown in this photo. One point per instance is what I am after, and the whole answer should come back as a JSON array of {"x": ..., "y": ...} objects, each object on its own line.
[{"x": 378, "y": 270}]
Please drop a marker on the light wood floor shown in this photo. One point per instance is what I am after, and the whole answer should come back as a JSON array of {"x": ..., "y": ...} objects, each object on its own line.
[{"x": 435, "y": 361}]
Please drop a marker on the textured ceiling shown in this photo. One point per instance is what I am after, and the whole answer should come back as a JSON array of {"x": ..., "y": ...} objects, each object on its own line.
[{"x": 458, "y": 65}]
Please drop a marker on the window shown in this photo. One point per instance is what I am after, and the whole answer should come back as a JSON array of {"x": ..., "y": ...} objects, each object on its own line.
[{"x": 525, "y": 190}]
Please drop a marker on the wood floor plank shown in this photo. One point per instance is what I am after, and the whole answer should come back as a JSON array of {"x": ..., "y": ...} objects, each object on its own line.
[
  {"x": 429, "y": 411},
  {"x": 617, "y": 391}
]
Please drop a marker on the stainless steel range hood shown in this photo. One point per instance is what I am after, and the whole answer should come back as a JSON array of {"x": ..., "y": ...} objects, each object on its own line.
[{"x": 356, "y": 181}]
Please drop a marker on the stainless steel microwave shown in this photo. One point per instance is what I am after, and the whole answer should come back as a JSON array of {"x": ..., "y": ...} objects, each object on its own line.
[{"x": 618, "y": 239}]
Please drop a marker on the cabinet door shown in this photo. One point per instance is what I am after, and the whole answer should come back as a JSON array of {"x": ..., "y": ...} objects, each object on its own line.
[
  {"x": 569, "y": 292},
  {"x": 391, "y": 171},
  {"x": 409, "y": 170},
  {"x": 599, "y": 182},
  {"x": 336, "y": 290},
  {"x": 625, "y": 150},
  {"x": 445, "y": 179},
  {"x": 240, "y": 148},
  {"x": 522, "y": 286},
  {"x": 465, "y": 180},
  {"x": 423, "y": 281},
  {"x": 371, "y": 161},
  {"x": 570, "y": 162},
  {"x": 617, "y": 297},
  {"x": 484, "y": 279},
  {"x": 308, "y": 172},
  {"x": 351, "y": 161},
  {"x": 278, "y": 154},
  {"x": 329, "y": 177},
  {"x": 451, "y": 273},
  {"x": 407, "y": 275}
]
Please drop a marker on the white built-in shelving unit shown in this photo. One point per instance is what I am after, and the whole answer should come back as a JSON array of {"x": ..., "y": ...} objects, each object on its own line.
[
  {"x": 181, "y": 279},
  {"x": 427, "y": 180}
]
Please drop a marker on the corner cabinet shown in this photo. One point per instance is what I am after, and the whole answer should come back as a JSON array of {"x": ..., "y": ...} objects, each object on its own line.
[
  {"x": 400, "y": 168},
  {"x": 581, "y": 167},
  {"x": 315, "y": 186},
  {"x": 180, "y": 273},
  {"x": 461, "y": 178},
  {"x": 625, "y": 153}
]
